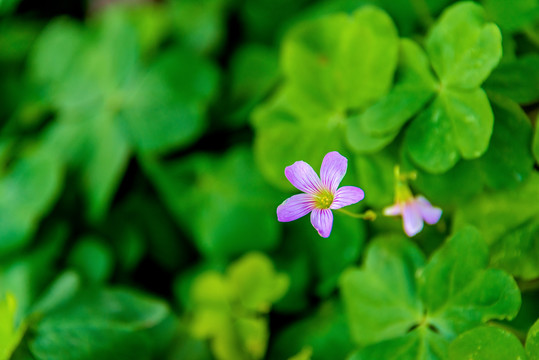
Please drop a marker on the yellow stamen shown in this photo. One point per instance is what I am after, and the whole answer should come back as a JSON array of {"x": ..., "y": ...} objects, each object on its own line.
[{"x": 324, "y": 199}]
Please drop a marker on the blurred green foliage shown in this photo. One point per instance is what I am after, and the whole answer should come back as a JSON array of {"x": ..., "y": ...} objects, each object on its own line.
[{"x": 142, "y": 154}]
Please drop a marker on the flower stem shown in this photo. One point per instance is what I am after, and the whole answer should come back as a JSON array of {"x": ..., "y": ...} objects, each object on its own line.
[{"x": 367, "y": 215}]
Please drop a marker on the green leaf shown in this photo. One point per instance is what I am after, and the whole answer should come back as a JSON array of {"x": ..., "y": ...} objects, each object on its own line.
[
  {"x": 58, "y": 293},
  {"x": 375, "y": 174},
  {"x": 430, "y": 140},
  {"x": 512, "y": 16},
  {"x": 453, "y": 187},
  {"x": 104, "y": 324},
  {"x": 517, "y": 79},
  {"x": 230, "y": 309},
  {"x": 288, "y": 130},
  {"x": 104, "y": 159},
  {"x": 323, "y": 61},
  {"x": 199, "y": 25},
  {"x": 328, "y": 57},
  {"x": 95, "y": 146},
  {"x": 368, "y": 56},
  {"x": 471, "y": 120},
  {"x": 386, "y": 281},
  {"x": 459, "y": 293},
  {"x": 420, "y": 343},
  {"x": 399, "y": 308},
  {"x": 166, "y": 109},
  {"x": 118, "y": 43},
  {"x": 458, "y": 123},
  {"x": 360, "y": 141},
  {"x": 495, "y": 214},
  {"x": 223, "y": 202},
  {"x": 310, "y": 58},
  {"x": 486, "y": 343},
  {"x": 10, "y": 333},
  {"x": 325, "y": 332},
  {"x": 29, "y": 189},
  {"x": 517, "y": 252},
  {"x": 507, "y": 162},
  {"x": 462, "y": 47},
  {"x": 415, "y": 86},
  {"x": 532, "y": 342},
  {"x": 255, "y": 282}
]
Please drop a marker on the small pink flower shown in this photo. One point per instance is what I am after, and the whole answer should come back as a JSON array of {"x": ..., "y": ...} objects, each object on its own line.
[
  {"x": 414, "y": 211},
  {"x": 320, "y": 195}
]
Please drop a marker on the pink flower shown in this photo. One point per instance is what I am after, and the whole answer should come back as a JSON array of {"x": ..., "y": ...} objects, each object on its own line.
[
  {"x": 414, "y": 211},
  {"x": 320, "y": 195}
]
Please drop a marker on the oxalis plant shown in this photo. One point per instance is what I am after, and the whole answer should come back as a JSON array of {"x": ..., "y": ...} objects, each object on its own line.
[{"x": 270, "y": 179}]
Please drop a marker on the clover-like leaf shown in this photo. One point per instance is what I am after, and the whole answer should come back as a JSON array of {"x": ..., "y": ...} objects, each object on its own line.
[
  {"x": 414, "y": 87},
  {"x": 386, "y": 281},
  {"x": 105, "y": 96},
  {"x": 451, "y": 281},
  {"x": 380, "y": 123},
  {"x": 166, "y": 108},
  {"x": 324, "y": 61},
  {"x": 486, "y": 343},
  {"x": 460, "y": 120},
  {"x": 328, "y": 57},
  {"x": 400, "y": 308},
  {"x": 462, "y": 47},
  {"x": 229, "y": 309},
  {"x": 105, "y": 324},
  {"x": 430, "y": 140},
  {"x": 292, "y": 127},
  {"x": 255, "y": 282}
]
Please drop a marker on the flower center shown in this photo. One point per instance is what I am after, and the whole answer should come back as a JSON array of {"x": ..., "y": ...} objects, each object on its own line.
[{"x": 324, "y": 199}]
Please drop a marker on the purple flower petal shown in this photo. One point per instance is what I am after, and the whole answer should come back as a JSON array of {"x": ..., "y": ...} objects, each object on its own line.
[
  {"x": 392, "y": 210},
  {"x": 295, "y": 207},
  {"x": 430, "y": 214},
  {"x": 303, "y": 177},
  {"x": 411, "y": 219},
  {"x": 347, "y": 195},
  {"x": 333, "y": 170},
  {"x": 322, "y": 220}
]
